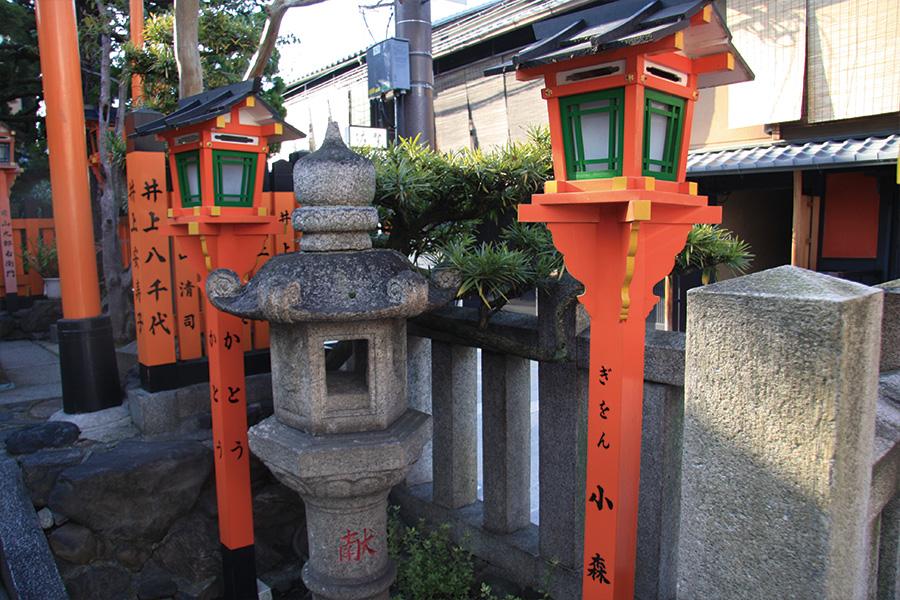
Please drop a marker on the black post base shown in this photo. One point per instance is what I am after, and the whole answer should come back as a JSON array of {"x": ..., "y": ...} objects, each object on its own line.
[
  {"x": 87, "y": 363},
  {"x": 12, "y": 302},
  {"x": 239, "y": 571}
]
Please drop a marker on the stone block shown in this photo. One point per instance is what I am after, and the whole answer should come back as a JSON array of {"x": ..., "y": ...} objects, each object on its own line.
[
  {"x": 890, "y": 326},
  {"x": 506, "y": 427},
  {"x": 180, "y": 410},
  {"x": 780, "y": 395},
  {"x": 118, "y": 493},
  {"x": 454, "y": 405},
  {"x": 28, "y": 568}
]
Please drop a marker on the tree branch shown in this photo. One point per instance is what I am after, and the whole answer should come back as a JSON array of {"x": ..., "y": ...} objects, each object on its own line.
[{"x": 269, "y": 34}]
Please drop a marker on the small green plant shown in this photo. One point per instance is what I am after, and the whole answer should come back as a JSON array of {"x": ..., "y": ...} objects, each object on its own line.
[
  {"x": 709, "y": 246},
  {"x": 497, "y": 272},
  {"x": 41, "y": 257},
  {"x": 431, "y": 567}
]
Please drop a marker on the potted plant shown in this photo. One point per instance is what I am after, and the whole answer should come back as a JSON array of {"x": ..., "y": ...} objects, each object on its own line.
[{"x": 42, "y": 258}]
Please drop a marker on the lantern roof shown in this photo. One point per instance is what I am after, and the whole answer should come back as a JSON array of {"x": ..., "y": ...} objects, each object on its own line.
[
  {"x": 218, "y": 102},
  {"x": 5, "y": 131},
  {"x": 624, "y": 23}
]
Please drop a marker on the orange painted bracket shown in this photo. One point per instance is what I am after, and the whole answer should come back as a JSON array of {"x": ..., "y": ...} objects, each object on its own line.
[{"x": 714, "y": 62}]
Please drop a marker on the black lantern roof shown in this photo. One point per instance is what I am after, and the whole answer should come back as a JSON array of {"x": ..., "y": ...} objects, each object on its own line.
[
  {"x": 217, "y": 102},
  {"x": 624, "y": 23}
]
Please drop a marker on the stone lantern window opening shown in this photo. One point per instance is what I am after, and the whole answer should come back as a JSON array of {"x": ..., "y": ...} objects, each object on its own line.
[{"x": 351, "y": 378}]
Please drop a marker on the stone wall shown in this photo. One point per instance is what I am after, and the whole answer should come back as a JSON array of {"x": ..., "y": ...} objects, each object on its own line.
[{"x": 138, "y": 519}]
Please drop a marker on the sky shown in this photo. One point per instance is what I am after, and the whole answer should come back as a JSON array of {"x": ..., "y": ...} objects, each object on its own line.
[{"x": 335, "y": 29}]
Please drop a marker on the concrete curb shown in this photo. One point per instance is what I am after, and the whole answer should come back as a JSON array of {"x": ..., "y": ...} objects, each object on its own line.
[{"x": 29, "y": 571}]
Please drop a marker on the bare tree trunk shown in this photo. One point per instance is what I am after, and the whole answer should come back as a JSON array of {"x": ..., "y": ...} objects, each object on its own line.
[
  {"x": 116, "y": 293},
  {"x": 269, "y": 34},
  {"x": 187, "y": 47}
]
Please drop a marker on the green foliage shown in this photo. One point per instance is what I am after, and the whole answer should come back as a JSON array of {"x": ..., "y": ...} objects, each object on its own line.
[
  {"x": 497, "y": 272},
  {"x": 709, "y": 246},
  {"x": 430, "y": 205},
  {"x": 41, "y": 257},
  {"x": 429, "y": 565},
  {"x": 426, "y": 198},
  {"x": 228, "y": 31},
  {"x": 21, "y": 92}
]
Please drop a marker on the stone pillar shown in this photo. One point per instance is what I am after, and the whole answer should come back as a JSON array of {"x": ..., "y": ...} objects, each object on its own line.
[
  {"x": 562, "y": 440},
  {"x": 889, "y": 552},
  {"x": 454, "y": 401},
  {"x": 418, "y": 378},
  {"x": 890, "y": 331},
  {"x": 659, "y": 506},
  {"x": 780, "y": 389},
  {"x": 506, "y": 426}
]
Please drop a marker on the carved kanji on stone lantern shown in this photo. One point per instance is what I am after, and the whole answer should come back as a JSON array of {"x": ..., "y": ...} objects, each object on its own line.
[{"x": 621, "y": 80}]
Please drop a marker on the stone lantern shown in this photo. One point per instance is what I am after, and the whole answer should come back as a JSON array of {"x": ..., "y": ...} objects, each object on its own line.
[{"x": 342, "y": 434}]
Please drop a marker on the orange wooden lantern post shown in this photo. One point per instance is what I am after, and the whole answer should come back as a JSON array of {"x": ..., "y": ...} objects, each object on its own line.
[
  {"x": 217, "y": 144},
  {"x": 621, "y": 81},
  {"x": 8, "y": 171}
]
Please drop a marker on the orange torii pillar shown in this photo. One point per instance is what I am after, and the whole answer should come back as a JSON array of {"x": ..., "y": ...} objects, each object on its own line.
[{"x": 87, "y": 358}]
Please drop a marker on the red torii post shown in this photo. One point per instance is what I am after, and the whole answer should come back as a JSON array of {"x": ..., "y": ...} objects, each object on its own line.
[
  {"x": 87, "y": 359},
  {"x": 620, "y": 209}
]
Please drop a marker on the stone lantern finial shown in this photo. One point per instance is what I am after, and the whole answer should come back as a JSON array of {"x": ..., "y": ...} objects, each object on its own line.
[{"x": 335, "y": 188}]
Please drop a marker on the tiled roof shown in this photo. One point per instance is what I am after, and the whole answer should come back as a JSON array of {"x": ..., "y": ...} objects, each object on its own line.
[
  {"x": 213, "y": 103},
  {"x": 870, "y": 151},
  {"x": 628, "y": 23}
]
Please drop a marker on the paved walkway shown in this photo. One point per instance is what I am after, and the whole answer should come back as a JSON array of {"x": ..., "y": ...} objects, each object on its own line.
[{"x": 35, "y": 393}]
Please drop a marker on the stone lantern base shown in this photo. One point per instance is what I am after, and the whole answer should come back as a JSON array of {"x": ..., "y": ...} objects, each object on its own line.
[{"x": 344, "y": 480}]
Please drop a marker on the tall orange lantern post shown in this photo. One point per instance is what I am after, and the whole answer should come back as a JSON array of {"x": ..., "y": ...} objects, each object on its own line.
[
  {"x": 620, "y": 84},
  {"x": 217, "y": 144},
  {"x": 8, "y": 171}
]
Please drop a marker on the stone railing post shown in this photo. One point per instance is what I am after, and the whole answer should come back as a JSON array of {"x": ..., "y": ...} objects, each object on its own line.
[
  {"x": 562, "y": 433},
  {"x": 890, "y": 331},
  {"x": 418, "y": 377},
  {"x": 454, "y": 409},
  {"x": 781, "y": 381},
  {"x": 506, "y": 423}
]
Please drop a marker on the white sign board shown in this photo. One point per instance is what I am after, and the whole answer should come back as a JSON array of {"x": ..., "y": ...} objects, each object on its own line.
[{"x": 374, "y": 137}]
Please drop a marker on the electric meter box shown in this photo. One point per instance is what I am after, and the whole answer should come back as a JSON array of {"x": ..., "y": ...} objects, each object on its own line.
[{"x": 388, "y": 66}]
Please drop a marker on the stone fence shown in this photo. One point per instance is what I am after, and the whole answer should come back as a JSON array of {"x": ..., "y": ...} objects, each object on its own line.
[
  {"x": 777, "y": 477},
  {"x": 442, "y": 488}
]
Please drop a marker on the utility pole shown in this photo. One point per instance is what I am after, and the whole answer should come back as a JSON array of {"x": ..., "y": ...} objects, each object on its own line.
[{"x": 417, "y": 107}]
